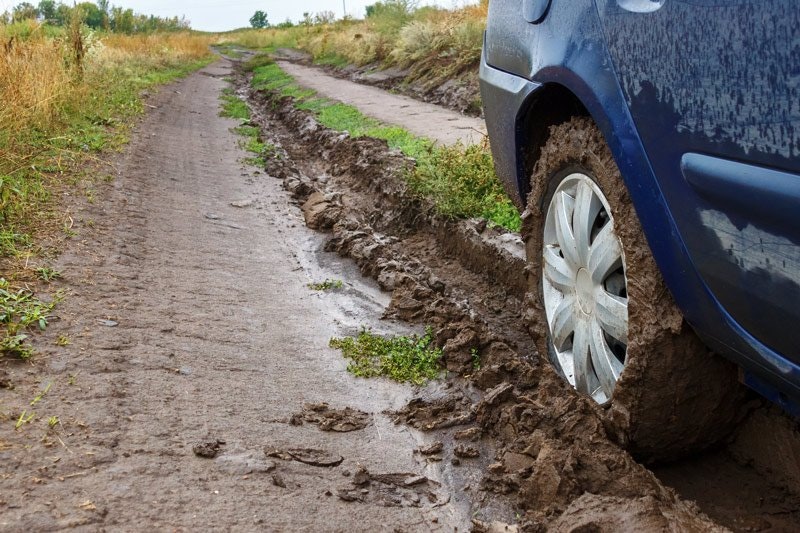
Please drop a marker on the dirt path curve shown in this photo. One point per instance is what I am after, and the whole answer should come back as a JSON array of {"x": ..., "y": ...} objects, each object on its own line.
[
  {"x": 201, "y": 265},
  {"x": 426, "y": 120}
]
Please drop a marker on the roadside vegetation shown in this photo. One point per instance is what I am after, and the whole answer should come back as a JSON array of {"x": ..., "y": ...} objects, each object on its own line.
[
  {"x": 459, "y": 180},
  {"x": 70, "y": 84},
  {"x": 435, "y": 44},
  {"x": 406, "y": 359}
]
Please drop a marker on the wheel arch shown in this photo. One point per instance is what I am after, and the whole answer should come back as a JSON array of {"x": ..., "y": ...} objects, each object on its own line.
[{"x": 550, "y": 105}]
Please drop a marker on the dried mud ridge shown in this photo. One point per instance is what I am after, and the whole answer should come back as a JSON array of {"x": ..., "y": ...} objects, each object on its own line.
[{"x": 554, "y": 458}]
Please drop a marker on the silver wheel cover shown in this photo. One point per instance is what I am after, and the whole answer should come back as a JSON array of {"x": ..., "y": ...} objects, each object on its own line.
[{"x": 584, "y": 287}]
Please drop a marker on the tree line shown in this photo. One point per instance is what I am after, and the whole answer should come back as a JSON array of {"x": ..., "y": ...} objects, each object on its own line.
[{"x": 100, "y": 15}]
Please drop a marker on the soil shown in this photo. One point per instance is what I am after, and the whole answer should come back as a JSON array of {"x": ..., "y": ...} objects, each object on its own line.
[{"x": 214, "y": 401}]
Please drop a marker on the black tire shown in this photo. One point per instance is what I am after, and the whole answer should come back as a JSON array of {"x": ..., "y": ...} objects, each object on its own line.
[{"x": 674, "y": 395}]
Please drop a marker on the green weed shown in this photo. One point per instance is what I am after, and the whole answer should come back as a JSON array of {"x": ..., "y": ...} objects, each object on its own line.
[
  {"x": 328, "y": 284},
  {"x": 411, "y": 359},
  {"x": 259, "y": 60},
  {"x": 24, "y": 418},
  {"x": 20, "y": 311},
  {"x": 462, "y": 183},
  {"x": 333, "y": 60},
  {"x": 476, "y": 359},
  {"x": 11, "y": 242},
  {"x": 47, "y": 274},
  {"x": 38, "y": 398},
  {"x": 233, "y": 106}
]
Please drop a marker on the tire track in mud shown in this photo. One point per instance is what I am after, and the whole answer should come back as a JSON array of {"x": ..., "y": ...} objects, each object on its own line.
[{"x": 555, "y": 460}]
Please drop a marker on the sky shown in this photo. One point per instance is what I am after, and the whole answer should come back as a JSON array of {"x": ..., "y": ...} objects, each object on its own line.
[{"x": 221, "y": 15}]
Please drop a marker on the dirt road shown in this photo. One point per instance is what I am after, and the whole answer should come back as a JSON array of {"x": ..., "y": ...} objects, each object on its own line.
[
  {"x": 190, "y": 321},
  {"x": 441, "y": 125}
]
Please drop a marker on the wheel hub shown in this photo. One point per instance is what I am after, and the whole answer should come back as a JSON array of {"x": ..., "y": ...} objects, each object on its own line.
[{"x": 584, "y": 287}]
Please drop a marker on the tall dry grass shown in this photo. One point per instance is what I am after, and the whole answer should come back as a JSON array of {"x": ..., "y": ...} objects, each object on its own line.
[
  {"x": 436, "y": 43},
  {"x": 40, "y": 84},
  {"x": 60, "y": 92}
]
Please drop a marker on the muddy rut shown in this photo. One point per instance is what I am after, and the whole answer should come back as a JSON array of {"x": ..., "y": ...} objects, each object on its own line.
[{"x": 198, "y": 390}]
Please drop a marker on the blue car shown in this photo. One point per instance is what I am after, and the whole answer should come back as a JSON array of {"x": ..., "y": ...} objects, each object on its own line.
[{"x": 654, "y": 148}]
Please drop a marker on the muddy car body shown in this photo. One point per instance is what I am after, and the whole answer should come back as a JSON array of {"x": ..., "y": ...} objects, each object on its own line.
[{"x": 699, "y": 105}]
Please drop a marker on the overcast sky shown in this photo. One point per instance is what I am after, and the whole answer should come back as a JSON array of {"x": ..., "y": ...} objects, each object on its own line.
[{"x": 220, "y": 15}]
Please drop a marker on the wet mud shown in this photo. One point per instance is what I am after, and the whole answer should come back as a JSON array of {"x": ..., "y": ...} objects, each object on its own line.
[{"x": 554, "y": 455}]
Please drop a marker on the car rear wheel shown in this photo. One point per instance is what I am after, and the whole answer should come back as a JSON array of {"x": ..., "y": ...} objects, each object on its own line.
[
  {"x": 584, "y": 290},
  {"x": 601, "y": 310}
]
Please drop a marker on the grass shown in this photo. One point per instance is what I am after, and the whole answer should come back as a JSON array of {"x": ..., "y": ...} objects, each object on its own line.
[
  {"x": 406, "y": 359},
  {"x": 20, "y": 313},
  {"x": 327, "y": 285},
  {"x": 234, "y": 107},
  {"x": 459, "y": 180},
  {"x": 47, "y": 274}
]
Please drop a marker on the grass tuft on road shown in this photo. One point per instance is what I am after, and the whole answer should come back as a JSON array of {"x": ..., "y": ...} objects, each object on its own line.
[
  {"x": 406, "y": 359},
  {"x": 233, "y": 106},
  {"x": 20, "y": 312},
  {"x": 236, "y": 108},
  {"x": 460, "y": 180}
]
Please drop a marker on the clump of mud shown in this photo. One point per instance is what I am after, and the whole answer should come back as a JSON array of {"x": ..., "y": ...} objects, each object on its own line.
[
  {"x": 328, "y": 419},
  {"x": 209, "y": 448},
  {"x": 554, "y": 458},
  {"x": 404, "y": 489}
]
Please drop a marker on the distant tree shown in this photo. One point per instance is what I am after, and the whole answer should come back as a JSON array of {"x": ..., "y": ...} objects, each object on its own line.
[
  {"x": 47, "y": 10},
  {"x": 92, "y": 16},
  {"x": 105, "y": 9},
  {"x": 285, "y": 24},
  {"x": 122, "y": 20},
  {"x": 63, "y": 15},
  {"x": 24, "y": 11},
  {"x": 259, "y": 20},
  {"x": 307, "y": 20}
]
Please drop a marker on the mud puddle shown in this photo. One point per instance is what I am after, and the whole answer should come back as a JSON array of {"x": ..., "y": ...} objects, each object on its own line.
[{"x": 536, "y": 445}]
